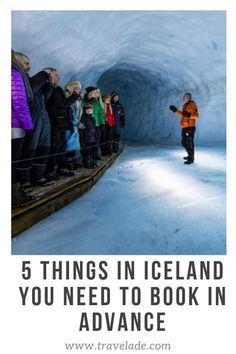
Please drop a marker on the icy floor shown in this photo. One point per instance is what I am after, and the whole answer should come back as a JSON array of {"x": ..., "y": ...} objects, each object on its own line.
[{"x": 148, "y": 202}]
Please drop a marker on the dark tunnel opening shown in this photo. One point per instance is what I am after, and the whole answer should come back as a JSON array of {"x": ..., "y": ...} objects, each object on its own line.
[{"x": 145, "y": 96}]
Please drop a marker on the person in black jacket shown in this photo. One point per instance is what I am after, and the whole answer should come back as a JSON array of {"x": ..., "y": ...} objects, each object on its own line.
[
  {"x": 88, "y": 136},
  {"x": 119, "y": 114},
  {"x": 37, "y": 143},
  {"x": 59, "y": 113}
]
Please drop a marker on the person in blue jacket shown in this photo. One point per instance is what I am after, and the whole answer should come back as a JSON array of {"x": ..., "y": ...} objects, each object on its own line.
[{"x": 72, "y": 135}]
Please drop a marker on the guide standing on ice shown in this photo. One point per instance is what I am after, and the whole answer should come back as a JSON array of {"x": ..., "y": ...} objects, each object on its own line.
[{"x": 189, "y": 115}]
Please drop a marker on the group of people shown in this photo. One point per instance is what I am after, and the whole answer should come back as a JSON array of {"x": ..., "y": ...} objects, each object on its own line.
[{"x": 52, "y": 127}]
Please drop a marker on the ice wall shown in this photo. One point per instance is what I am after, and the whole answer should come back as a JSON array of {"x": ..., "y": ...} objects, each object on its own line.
[{"x": 149, "y": 58}]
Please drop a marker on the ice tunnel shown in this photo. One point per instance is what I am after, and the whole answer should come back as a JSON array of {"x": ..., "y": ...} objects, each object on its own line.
[{"x": 149, "y": 57}]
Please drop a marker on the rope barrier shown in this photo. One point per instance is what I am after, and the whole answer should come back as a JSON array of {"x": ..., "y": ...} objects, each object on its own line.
[{"x": 65, "y": 152}]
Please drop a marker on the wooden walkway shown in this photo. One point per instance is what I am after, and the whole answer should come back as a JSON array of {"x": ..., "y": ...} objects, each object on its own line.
[{"x": 51, "y": 198}]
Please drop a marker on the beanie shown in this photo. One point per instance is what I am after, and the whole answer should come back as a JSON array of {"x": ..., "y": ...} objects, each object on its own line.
[
  {"x": 113, "y": 94},
  {"x": 90, "y": 89}
]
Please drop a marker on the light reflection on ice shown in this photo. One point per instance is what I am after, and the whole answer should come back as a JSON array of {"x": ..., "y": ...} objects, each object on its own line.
[{"x": 147, "y": 202}]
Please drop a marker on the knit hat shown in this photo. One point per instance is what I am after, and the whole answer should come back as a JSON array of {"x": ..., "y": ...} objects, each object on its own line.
[
  {"x": 113, "y": 94},
  {"x": 88, "y": 106},
  {"x": 105, "y": 96},
  {"x": 90, "y": 89}
]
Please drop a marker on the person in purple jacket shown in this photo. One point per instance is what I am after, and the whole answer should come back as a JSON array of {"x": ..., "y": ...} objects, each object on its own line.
[{"x": 21, "y": 120}]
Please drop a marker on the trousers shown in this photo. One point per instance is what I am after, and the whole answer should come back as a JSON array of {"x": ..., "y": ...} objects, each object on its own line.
[{"x": 188, "y": 141}]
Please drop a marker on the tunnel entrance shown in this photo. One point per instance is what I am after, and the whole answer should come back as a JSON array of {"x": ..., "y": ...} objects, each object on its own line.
[{"x": 145, "y": 95}]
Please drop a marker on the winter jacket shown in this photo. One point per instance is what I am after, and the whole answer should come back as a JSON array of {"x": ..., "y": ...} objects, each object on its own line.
[
  {"x": 42, "y": 90},
  {"x": 191, "y": 108},
  {"x": 21, "y": 117},
  {"x": 76, "y": 109},
  {"x": 98, "y": 111},
  {"x": 72, "y": 135},
  {"x": 58, "y": 105},
  {"x": 89, "y": 133},
  {"x": 29, "y": 92},
  {"x": 118, "y": 111},
  {"x": 110, "y": 119}
]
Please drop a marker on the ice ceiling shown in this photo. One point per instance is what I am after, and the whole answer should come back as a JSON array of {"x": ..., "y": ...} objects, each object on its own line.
[{"x": 149, "y": 57}]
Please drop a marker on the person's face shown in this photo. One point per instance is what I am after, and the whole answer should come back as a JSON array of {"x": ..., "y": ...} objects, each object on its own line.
[
  {"x": 55, "y": 78},
  {"x": 116, "y": 98},
  {"x": 108, "y": 100},
  {"x": 92, "y": 94},
  {"x": 25, "y": 63},
  {"x": 76, "y": 88},
  {"x": 89, "y": 111},
  {"x": 186, "y": 98}
]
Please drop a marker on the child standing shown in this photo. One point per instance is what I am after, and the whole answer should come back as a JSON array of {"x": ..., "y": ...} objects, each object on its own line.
[{"x": 88, "y": 136}]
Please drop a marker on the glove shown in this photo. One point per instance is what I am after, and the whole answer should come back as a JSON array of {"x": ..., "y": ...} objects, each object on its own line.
[
  {"x": 186, "y": 114},
  {"x": 173, "y": 108},
  {"x": 79, "y": 97},
  {"x": 81, "y": 126}
]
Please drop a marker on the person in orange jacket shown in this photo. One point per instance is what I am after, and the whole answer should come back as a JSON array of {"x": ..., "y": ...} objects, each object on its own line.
[{"x": 188, "y": 115}]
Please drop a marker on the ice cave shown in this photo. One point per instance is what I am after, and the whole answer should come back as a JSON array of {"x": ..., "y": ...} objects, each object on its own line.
[{"x": 148, "y": 201}]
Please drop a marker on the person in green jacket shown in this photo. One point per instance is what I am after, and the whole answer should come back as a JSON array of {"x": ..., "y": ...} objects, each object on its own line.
[{"x": 98, "y": 114}]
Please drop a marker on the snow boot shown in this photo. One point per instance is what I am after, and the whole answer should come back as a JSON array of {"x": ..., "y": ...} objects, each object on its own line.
[{"x": 20, "y": 199}]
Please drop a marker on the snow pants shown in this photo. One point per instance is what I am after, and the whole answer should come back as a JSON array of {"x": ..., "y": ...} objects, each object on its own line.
[
  {"x": 57, "y": 159},
  {"x": 89, "y": 155},
  {"x": 188, "y": 141},
  {"x": 35, "y": 150},
  {"x": 16, "y": 150},
  {"x": 107, "y": 140}
]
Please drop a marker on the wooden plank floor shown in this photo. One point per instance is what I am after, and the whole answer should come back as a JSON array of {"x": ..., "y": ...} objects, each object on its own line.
[{"x": 51, "y": 198}]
